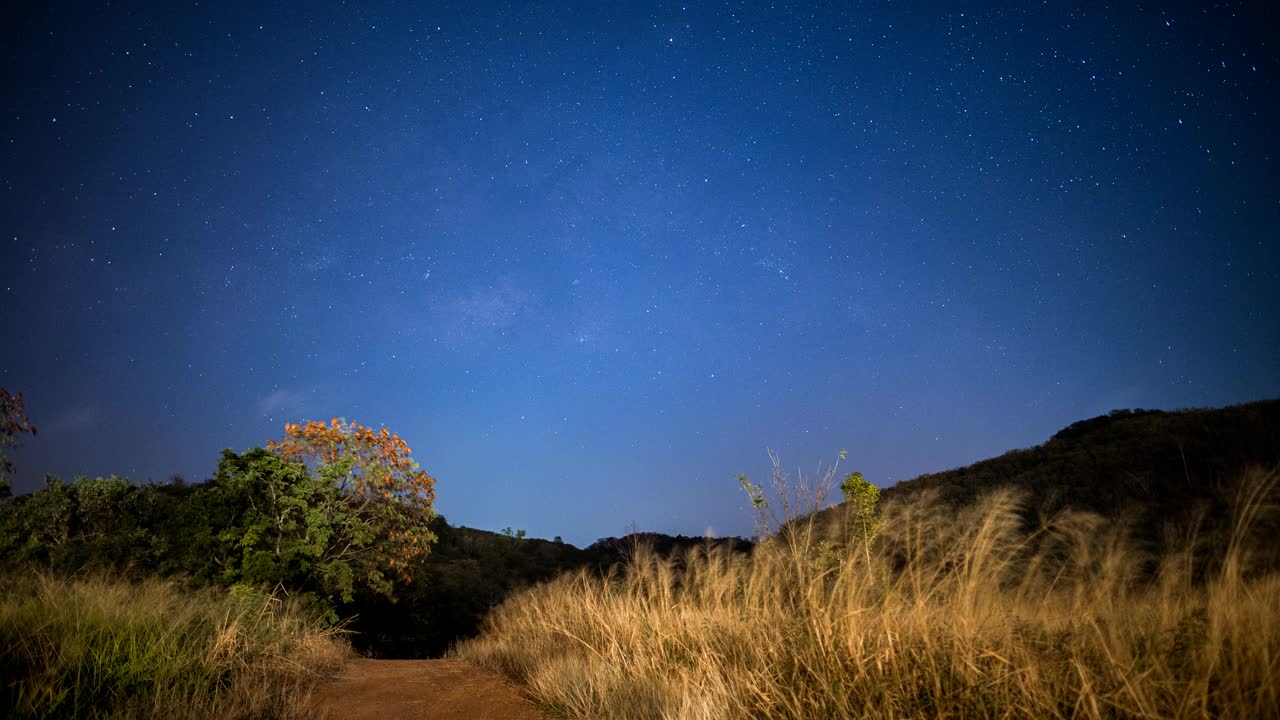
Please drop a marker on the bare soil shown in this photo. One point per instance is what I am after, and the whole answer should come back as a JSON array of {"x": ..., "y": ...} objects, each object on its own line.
[{"x": 447, "y": 689}]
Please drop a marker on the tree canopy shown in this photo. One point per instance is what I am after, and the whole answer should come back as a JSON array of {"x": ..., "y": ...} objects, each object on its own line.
[{"x": 378, "y": 483}]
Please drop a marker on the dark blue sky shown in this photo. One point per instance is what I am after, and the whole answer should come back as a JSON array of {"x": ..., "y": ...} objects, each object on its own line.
[{"x": 592, "y": 259}]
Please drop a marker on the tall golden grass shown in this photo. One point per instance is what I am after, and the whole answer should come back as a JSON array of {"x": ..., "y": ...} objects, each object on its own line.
[
  {"x": 946, "y": 614},
  {"x": 96, "y": 647}
]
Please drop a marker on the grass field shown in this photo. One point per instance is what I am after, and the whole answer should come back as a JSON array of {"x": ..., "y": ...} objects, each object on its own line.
[
  {"x": 946, "y": 614},
  {"x": 97, "y": 647}
]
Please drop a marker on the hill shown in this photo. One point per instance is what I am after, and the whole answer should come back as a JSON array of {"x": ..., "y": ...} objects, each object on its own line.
[
  {"x": 470, "y": 571},
  {"x": 1155, "y": 469},
  {"x": 955, "y": 610}
]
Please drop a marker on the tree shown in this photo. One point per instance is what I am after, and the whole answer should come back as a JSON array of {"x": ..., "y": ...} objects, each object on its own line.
[
  {"x": 263, "y": 520},
  {"x": 13, "y": 421},
  {"x": 860, "y": 499},
  {"x": 378, "y": 484}
]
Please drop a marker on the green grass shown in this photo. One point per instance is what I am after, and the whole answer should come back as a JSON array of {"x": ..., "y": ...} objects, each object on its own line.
[{"x": 102, "y": 648}]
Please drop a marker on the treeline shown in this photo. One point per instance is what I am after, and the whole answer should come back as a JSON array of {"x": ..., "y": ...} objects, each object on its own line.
[
  {"x": 199, "y": 533},
  {"x": 260, "y": 521},
  {"x": 109, "y": 524},
  {"x": 665, "y": 545},
  {"x": 471, "y": 572},
  {"x": 265, "y": 522},
  {"x": 467, "y": 574},
  {"x": 338, "y": 516},
  {"x": 334, "y": 516}
]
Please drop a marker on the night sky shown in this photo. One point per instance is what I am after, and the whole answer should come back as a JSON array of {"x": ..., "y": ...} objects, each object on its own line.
[{"x": 593, "y": 259}]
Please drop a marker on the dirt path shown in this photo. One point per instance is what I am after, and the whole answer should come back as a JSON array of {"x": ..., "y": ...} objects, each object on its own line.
[{"x": 427, "y": 689}]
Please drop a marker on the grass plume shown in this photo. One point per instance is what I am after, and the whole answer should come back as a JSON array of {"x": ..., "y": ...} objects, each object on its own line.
[{"x": 945, "y": 614}]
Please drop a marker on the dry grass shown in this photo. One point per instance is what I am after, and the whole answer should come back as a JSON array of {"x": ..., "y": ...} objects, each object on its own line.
[
  {"x": 97, "y": 647},
  {"x": 949, "y": 614}
]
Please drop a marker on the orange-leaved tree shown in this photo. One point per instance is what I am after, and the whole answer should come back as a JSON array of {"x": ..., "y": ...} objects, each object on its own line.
[{"x": 378, "y": 481}]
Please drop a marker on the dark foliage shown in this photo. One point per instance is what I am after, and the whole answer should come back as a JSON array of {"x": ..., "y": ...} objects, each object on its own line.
[
  {"x": 1155, "y": 469},
  {"x": 100, "y": 524},
  {"x": 198, "y": 531},
  {"x": 472, "y": 571},
  {"x": 468, "y": 573},
  {"x": 1165, "y": 473},
  {"x": 618, "y": 549}
]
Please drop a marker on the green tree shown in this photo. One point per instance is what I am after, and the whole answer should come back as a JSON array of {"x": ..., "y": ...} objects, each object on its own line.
[
  {"x": 264, "y": 520},
  {"x": 860, "y": 501}
]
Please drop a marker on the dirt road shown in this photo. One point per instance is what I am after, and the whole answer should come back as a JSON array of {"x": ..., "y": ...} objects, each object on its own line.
[{"x": 427, "y": 689}]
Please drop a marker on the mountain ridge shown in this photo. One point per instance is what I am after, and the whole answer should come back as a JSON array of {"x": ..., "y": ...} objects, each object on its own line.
[{"x": 1156, "y": 470}]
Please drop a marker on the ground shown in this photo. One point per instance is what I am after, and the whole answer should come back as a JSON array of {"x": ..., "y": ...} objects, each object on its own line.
[{"x": 430, "y": 689}]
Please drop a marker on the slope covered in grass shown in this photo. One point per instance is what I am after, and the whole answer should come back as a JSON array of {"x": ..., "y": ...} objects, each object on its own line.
[
  {"x": 953, "y": 614},
  {"x": 1155, "y": 471},
  {"x": 94, "y": 647}
]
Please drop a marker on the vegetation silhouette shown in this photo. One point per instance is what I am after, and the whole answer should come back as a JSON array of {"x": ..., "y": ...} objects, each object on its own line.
[
  {"x": 337, "y": 520},
  {"x": 1156, "y": 472}
]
